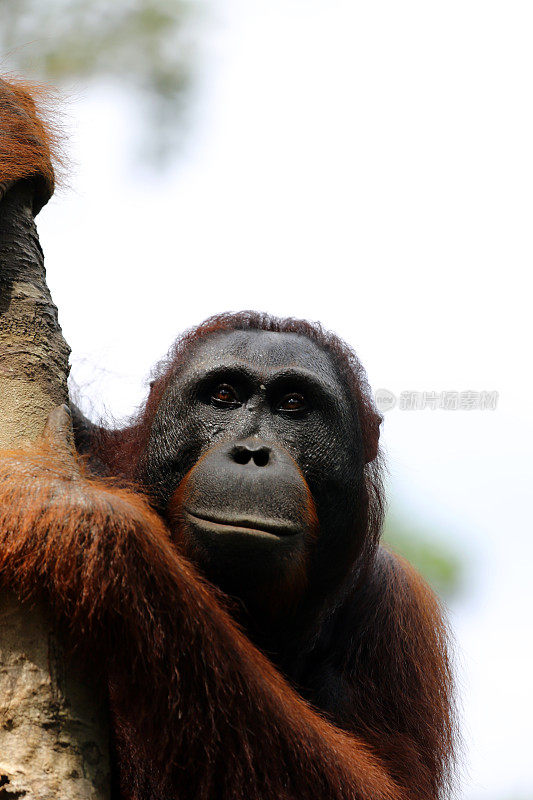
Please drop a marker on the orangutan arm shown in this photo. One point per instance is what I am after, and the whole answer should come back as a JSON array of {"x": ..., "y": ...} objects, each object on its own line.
[{"x": 201, "y": 712}]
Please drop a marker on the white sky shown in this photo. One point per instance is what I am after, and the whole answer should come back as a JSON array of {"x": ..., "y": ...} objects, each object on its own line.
[{"x": 369, "y": 165}]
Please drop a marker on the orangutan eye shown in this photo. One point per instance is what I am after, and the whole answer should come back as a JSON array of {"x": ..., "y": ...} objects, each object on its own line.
[
  {"x": 293, "y": 402},
  {"x": 225, "y": 395}
]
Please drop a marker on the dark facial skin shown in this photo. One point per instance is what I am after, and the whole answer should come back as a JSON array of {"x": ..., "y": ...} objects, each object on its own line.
[{"x": 255, "y": 458}]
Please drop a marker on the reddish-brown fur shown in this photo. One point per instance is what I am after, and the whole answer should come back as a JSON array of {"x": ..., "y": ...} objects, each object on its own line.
[
  {"x": 29, "y": 139},
  {"x": 199, "y": 711}
]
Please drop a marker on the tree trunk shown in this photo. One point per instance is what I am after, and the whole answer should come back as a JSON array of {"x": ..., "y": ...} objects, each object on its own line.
[{"x": 53, "y": 726}]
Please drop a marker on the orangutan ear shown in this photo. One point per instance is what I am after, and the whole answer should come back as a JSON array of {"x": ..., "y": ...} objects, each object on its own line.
[{"x": 371, "y": 438}]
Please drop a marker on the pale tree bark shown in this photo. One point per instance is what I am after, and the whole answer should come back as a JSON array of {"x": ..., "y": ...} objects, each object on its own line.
[{"x": 53, "y": 722}]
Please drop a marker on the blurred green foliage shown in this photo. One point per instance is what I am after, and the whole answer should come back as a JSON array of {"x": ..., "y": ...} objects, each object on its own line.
[
  {"x": 143, "y": 44},
  {"x": 438, "y": 562}
]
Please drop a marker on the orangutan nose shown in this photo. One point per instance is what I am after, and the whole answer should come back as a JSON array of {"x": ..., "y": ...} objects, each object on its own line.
[{"x": 251, "y": 452}]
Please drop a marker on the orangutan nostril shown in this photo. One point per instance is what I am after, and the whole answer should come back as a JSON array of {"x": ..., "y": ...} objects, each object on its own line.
[
  {"x": 261, "y": 456},
  {"x": 241, "y": 455}
]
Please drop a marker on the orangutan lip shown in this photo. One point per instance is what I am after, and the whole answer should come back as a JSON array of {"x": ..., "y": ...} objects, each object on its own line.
[{"x": 274, "y": 528}]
